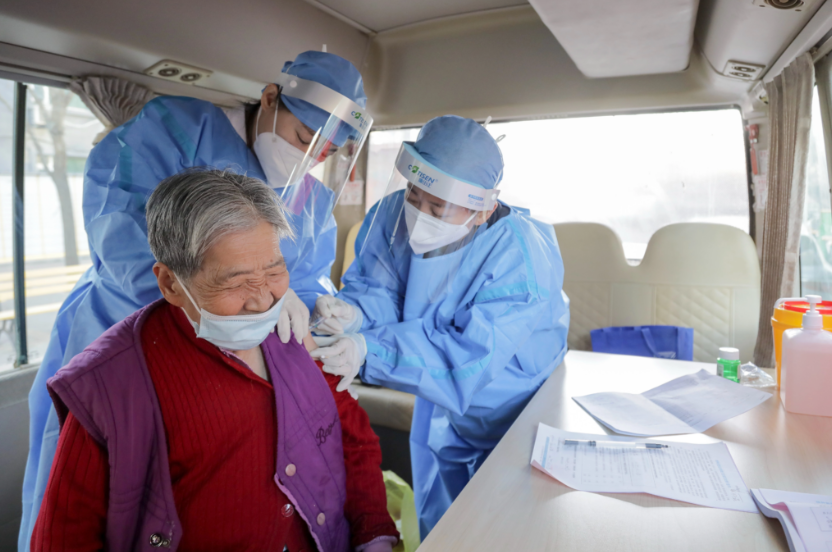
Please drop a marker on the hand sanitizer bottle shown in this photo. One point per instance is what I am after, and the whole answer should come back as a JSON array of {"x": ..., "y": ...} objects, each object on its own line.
[
  {"x": 728, "y": 363},
  {"x": 806, "y": 379}
]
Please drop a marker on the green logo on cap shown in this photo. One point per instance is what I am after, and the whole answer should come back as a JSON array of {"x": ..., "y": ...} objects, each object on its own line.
[
  {"x": 356, "y": 114},
  {"x": 415, "y": 169}
]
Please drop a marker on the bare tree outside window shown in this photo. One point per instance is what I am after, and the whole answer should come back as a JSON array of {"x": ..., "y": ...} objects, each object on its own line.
[
  {"x": 50, "y": 118},
  {"x": 59, "y": 133},
  {"x": 53, "y": 116}
]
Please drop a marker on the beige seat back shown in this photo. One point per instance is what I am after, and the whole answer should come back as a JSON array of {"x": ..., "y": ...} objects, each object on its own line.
[
  {"x": 697, "y": 275},
  {"x": 349, "y": 249},
  {"x": 14, "y": 448}
]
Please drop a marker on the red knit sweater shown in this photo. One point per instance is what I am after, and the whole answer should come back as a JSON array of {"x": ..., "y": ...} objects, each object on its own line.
[{"x": 222, "y": 439}]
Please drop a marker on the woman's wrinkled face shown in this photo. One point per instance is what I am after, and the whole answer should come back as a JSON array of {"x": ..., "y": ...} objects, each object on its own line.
[
  {"x": 431, "y": 205},
  {"x": 242, "y": 273}
]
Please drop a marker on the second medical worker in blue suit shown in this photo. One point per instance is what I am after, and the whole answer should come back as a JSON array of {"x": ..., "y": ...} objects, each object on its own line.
[
  {"x": 311, "y": 118},
  {"x": 454, "y": 297}
]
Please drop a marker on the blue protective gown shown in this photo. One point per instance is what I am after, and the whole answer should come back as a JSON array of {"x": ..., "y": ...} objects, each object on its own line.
[
  {"x": 169, "y": 135},
  {"x": 473, "y": 334}
]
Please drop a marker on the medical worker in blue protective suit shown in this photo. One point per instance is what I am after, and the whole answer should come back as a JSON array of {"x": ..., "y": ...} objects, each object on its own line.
[
  {"x": 309, "y": 123},
  {"x": 454, "y": 297}
]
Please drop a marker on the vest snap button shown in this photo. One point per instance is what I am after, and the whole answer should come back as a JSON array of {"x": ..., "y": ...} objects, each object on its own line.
[
  {"x": 321, "y": 518},
  {"x": 287, "y": 510},
  {"x": 291, "y": 470},
  {"x": 156, "y": 540}
]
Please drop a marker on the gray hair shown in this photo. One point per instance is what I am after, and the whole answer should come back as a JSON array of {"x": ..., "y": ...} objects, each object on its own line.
[{"x": 188, "y": 212}]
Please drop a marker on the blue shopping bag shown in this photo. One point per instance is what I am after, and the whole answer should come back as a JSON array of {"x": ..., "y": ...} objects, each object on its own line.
[{"x": 648, "y": 341}]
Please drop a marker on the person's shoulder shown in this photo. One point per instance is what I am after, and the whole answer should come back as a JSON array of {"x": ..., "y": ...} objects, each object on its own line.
[
  {"x": 518, "y": 226},
  {"x": 520, "y": 247},
  {"x": 182, "y": 108},
  {"x": 180, "y": 102},
  {"x": 110, "y": 348}
]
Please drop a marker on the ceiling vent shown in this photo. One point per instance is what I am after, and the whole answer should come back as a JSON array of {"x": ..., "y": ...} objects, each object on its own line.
[
  {"x": 178, "y": 72},
  {"x": 796, "y": 5},
  {"x": 742, "y": 70}
]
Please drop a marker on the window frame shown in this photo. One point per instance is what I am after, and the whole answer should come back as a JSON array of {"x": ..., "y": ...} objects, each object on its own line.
[
  {"x": 752, "y": 219},
  {"x": 22, "y": 82}
]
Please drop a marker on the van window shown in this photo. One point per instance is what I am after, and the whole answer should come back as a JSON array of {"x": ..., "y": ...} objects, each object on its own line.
[
  {"x": 383, "y": 148},
  {"x": 59, "y": 135},
  {"x": 816, "y": 232},
  {"x": 634, "y": 173}
]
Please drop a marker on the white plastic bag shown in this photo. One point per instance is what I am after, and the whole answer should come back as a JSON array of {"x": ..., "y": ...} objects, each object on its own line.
[{"x": 751, "y": 376}]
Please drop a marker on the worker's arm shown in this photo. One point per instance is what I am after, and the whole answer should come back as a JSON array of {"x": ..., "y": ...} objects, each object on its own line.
[{"x": 449, "y": 364}]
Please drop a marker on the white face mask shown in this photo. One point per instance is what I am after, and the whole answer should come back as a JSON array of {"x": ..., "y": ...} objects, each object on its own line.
[
  {"x": 277, "y": 156},
  {"x": 428, "y": 233},
  {"x": 236, "y": 333}
]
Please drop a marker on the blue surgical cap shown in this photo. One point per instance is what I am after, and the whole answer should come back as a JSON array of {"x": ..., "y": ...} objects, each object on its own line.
[
  {"x": 462, "y": 148},
  {"x": 333, "y": 72}
]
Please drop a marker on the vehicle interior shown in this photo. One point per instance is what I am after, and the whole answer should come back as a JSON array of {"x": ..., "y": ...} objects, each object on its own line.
[{"x": 639, "y": 128}]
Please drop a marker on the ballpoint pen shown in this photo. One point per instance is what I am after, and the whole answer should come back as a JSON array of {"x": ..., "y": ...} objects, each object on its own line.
[{"x": 621, "y": 444}]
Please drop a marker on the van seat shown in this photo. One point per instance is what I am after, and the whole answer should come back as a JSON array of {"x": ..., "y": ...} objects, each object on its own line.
[
  {"x": 386, "y": 407},
  {"x": 349, "y": 248},
  {"x": 14, "y": 430},
  {"x": 697, "y": 275},
  {"x": 390, "y": 414}
]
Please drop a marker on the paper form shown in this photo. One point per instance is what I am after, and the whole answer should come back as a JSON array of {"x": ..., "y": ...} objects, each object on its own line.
[
  {"x": 806, "y": 518},
  {"x": 688, "y": 404},
  {"x": 699, "y": 474}
]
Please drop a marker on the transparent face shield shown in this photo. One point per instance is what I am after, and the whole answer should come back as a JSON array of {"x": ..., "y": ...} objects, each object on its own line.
[
  {"x": 424, "y": 222},
  {"x": 317, "y": 176}
]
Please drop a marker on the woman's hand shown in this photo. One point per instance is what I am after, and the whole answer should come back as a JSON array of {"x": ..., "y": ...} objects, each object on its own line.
[
  {"x": 332, "y": 316},
  {"x": 294, "y": 319}
]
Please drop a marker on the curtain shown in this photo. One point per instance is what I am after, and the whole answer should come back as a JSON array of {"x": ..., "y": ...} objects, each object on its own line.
[
  {"x": 790, "y": 115},
  {"x": 113, "y": 100}
]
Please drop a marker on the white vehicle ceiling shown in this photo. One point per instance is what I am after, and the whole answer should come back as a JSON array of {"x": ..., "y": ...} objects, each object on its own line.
[
  {"x": 391, "y": 14},
  {"x": 505, "y": 58}
]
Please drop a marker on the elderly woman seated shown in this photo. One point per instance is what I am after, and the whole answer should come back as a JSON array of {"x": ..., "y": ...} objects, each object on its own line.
[{"x": 189, "y": 425}]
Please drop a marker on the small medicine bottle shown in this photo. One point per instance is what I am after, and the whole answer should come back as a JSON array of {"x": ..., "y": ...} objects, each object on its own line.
[{"x": 728, "y": 363}]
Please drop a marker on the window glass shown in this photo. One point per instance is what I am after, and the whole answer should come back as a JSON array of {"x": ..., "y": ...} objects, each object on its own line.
[
  {"x": 383, "y": 148},
  {"x": 59, "y": 135},
  {"x": 633, "y": 173},
  {"x": 816, "y": 232}
]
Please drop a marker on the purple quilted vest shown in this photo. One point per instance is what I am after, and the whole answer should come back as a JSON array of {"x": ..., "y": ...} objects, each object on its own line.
[{"x": 108, "y": 389}]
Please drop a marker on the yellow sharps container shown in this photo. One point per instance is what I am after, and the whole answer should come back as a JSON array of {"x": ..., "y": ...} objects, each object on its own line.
[{"x": 788, "y": 314}]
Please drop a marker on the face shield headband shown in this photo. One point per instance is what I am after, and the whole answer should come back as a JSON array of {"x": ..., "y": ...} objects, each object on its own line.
[
  {"x": 433, "y": 180},
  {"x": 327, "y": 99}
]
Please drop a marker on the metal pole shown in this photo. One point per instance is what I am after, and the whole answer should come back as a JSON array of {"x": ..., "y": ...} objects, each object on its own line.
[{"x": 17, "y": 218}]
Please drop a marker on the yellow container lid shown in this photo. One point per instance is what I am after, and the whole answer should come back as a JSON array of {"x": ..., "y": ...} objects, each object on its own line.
[{"x": 790, "y": 312}]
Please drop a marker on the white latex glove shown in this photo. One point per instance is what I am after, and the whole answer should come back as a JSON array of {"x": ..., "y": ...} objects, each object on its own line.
[
  {"x": 342, "y": 355},
  {"x": 333, "y": 316},
  {"x": 294, "y": 318}
]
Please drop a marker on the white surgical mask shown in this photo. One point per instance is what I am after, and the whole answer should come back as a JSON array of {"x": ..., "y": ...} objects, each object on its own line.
[
  {"x": 428, "y": 233},
  {"x": 236, "y": 333},
  {"x": 277, "y": 156}
]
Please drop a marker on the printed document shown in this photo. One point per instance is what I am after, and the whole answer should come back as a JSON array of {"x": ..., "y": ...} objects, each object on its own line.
[
  {"x": 806, "y": 518},
  {"x": 689, "y": 404},
  {"x": 699, "y": 474}
]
